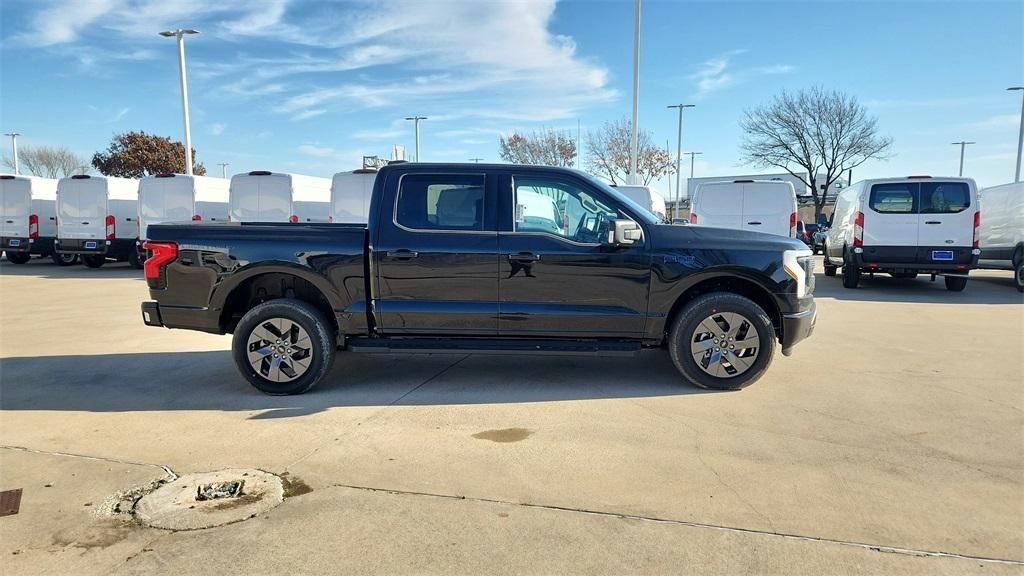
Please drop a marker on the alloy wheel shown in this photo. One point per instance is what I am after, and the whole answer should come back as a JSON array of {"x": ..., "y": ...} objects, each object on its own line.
[
  {"x": 280, "y": 350},
  {"x": 725, "y": 344}
]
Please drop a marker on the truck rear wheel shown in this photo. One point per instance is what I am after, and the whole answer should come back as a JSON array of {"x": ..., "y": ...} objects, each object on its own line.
[
  {"x": 18, "y": 257},
  {"x": 64, "y": 259},
  {"x": 722, "y": 341},
  {"x": 283, "y": 346},
  {"x": 94, "y": 260}
]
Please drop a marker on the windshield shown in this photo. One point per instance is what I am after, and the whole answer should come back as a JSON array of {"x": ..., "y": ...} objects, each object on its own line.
[{"x": 641, "y": 212}]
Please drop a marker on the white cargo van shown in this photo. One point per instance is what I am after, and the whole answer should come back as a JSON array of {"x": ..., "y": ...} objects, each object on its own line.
[
  {"x": 28, "y": 219},
  {"x": 262, "y": 196},
  {"x": 905, "y": 227},
  {"x": 97, "y": 219},
  {"x": 1001, "y": 237},
  {"x": 350, "y": 195},
  {"x": 645, "y": 196},
  {"x": 180, "y": 198},
  {"x": 767, "y": 206}
]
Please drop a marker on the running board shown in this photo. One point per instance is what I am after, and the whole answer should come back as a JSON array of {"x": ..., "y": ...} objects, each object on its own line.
[{"x": 492, "y": 346}]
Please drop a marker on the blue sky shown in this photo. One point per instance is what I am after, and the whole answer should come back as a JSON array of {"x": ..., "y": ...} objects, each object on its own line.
[{"x": 311, "y": 87}]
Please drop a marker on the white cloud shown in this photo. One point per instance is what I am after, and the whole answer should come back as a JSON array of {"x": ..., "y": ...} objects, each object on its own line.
[
  {"x": 307, "y": 114},
  {"x": 1000, "y": 121},
  {"x": 717, "y": 73},
  {"x": 217, "y": 128},
  {"x": 317, "y": 151}
]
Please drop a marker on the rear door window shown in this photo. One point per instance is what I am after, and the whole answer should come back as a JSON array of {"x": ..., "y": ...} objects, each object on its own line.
[
  {"x": 894, "y": 198},
  {"x": 944, "y": 197},
  {"x": 441, "y": 202}
]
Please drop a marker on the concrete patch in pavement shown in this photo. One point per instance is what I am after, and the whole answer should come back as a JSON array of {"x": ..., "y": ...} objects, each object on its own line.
[{"x": 205, "y": 500}]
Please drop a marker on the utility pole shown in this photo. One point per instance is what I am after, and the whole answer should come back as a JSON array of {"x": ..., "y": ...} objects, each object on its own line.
[
  {"x": 416, "y": 122},
  {"x": 475, "y": 160},
  {"x": 962, "y": 145},
  {"x": 224, "y": 169},
  {"x": 180, "y": 35},
  {"x": 14, "y": 149},
  {"x": 679, "y": 151},
  {"x": 634, "y": 143},
  {"x": 1020, "y": 134},
  {"x": 691, "y": 155}
]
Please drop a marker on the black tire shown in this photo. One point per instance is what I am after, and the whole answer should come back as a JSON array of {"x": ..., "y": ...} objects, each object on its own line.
[
  {"x": 94, "y": 260},
  {"x": 1018, "y": 271},
  {"x": 830, "y": 270},
  {"x": 18, "y": 257},
  {"x": 694, "y": 313},
  {"x": 321, "y": 345},
  {"x": 136, "y": 260},
  {"x": 64, "y": 259},
  {"x": 851, "y": 274},
  {"x": 956, "y": 283}
]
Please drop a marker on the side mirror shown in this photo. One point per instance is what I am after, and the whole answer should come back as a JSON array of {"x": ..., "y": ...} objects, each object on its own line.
[{"x": 624, "y": 233}]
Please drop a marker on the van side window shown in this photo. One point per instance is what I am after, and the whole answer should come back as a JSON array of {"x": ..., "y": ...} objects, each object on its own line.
[
  {"x": 944, "y": 197},
  {"x": 562, "y": 209},
  {"x": 441, "y": 202},
  {"x": 895, "y": 198}
]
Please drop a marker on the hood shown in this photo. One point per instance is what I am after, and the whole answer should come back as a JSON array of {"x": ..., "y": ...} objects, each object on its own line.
[{"x": 668, "y": 236}]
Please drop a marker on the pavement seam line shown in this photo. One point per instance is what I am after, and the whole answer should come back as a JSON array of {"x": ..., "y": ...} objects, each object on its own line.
[
  {"x": 171, "y": 474},
  {"x": 692, "y": 524}
]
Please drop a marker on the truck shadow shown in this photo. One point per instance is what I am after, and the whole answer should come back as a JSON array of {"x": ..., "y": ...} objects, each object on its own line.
[
  {"x": 209, "y": 381},
  {"x": 982, "y": 288}
]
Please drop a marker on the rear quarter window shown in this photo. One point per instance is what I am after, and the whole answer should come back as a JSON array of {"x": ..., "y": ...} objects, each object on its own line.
[
  {"x": 896, "y": 198},
  {"x": 944, "y": 197}
]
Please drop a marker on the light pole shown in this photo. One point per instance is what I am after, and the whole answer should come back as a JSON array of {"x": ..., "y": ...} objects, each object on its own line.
[
  {"x": 180, "y": 35},
  {"x": 1020, "y": 135},
  {"x": 475, "y": 160},
  {"x": 634, "y": 142},
  {"x": 14, "y": 149},
  {"x": 691, "y": 155},
  {"x": 679, "y": 150},
  {"x": 962, "y": 145},
  {"x": 416, "y": 121},
  {"x": 224, "y": 169}
]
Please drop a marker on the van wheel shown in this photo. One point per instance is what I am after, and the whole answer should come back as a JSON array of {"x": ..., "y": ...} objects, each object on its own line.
[
  {"x": 135, "y": 260},
  {"x": 830, "y": 270},
  {"x": 64, "y": 259},
  {"x": 283, "y": 346},
  {"x": 1018, "y": 277},
  {"x": 18, "y": 257},
  {"x": 851, "y": 275},
  {"x": 94, "y": 260},
  {"x": 956, "y": 283},
  {"x": 722, "y": 341}
]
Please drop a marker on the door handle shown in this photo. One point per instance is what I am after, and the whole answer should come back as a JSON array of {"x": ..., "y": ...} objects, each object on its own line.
[
  {"x": 402, "y": 254},
  {"x": 755, "y": 223},
  {"x": 524, "y": 257},
  {"x": 933, "y": 222}
]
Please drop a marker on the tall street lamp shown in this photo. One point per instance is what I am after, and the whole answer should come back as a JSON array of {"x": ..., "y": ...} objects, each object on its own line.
[
  {"x": 679, "y": 150},
  {"x": 1020, "y": 135},
  {"x": 14, "y": 149},
  {"x": 962, "y": 145},
  {"x": 416, "y": 121},
  {"x": 691, "y": 155},
  {"x": 180, "y": 35},
  {"x": 224, "y": 169},
  {"x": 634, "y": 142}
]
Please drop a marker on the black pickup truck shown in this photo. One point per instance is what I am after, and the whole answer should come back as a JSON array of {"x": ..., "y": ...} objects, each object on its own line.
[{"x": 484, "y": 258}]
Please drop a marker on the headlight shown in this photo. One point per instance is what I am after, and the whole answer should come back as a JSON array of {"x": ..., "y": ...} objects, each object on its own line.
[{"x": 800, "y": 267}]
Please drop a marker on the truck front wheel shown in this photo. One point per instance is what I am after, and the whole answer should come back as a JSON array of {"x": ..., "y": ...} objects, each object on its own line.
[
  {"x": 722, "y": 341},
  {"x": 283, "y": 346}
]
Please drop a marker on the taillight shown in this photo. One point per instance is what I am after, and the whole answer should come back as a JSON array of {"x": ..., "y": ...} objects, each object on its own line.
[
  {"x": 792, "y": 225},
  {"x": 197, "y": 218},
  {"x": 330, "y": 219},
  {"x": 293, "y": 219},
  {"x": 858, "y": 230},
  {"x": 163, "y": 253},
  {"x": 33, "y": 226},
  {"x": 110, "y": 226},
  {"x": 693, "y": 218},
  {"x": 977, "y": 225}
]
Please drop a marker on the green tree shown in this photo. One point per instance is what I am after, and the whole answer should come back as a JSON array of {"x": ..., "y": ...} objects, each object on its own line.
[{"x": 137, "y": 154}]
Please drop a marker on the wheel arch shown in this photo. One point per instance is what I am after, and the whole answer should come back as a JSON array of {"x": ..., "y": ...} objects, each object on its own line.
[{"x": 733, "y": 283}]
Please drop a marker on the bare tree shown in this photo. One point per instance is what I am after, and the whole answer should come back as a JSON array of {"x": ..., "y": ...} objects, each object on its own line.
[
  {"x": 48, "y": 161},
  {"x": 545, "y": 147},
  {"x": 608, "y": 151},
  {"x": 811, "y": 132}
]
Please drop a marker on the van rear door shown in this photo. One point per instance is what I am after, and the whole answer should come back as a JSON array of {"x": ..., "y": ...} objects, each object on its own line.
[
  {"x": 82, "y": 209},
  {"x": 768, "y": 207},
  {"x": 164, "y": 199},
  {"x": 720, "y": 205},
  {"x": 15, "y": 207},
  {"x": 946, "y": 216}
]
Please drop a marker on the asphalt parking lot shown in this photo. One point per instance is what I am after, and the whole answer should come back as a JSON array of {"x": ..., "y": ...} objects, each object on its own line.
[{"x": 891, "y": 442}]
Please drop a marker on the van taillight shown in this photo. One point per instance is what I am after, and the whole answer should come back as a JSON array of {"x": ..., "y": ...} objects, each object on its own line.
[
  {"x": 693, "y": 218},
  {"x": 197, "y": 218},
  {"x": 330, "y": 219},
  {"x": 163, "y": 253},
  {"x": 977, "y": 225},
  {"x": 293, "y": 219},
  {"x": 33, "y": 226},
  {"x": 110, "y": 226},
  {"x": 792, "y": 225},
  {"x": 858, "y": 230}
]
